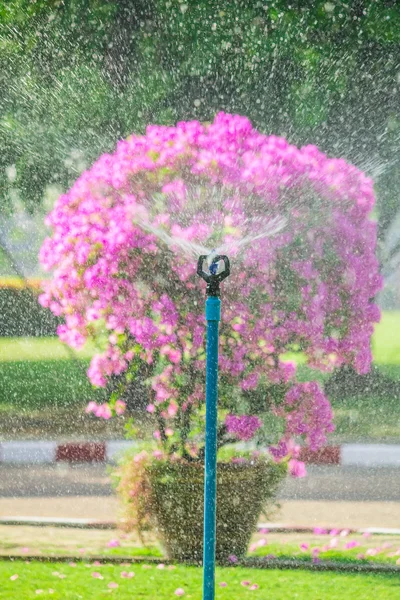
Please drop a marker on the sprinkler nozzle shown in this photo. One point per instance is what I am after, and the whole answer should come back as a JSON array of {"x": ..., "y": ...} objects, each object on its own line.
[{"x": 213, "y": 277}]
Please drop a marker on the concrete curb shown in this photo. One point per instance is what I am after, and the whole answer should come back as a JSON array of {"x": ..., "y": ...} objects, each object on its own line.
[
  {"x": 45, "y": 452},
  {"x": 250, "y": 563}
]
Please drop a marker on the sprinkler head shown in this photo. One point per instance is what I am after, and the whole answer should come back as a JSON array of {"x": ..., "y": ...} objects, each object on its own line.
[{"x": 213, "y": 268}]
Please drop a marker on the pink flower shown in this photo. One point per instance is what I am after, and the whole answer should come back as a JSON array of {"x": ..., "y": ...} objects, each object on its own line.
[
  {"x": 179, "y": 592},
  {"x": 114, "y": 543},
  {"x": 297, "y": 468},
  {"x": 120, "y": 407},
  {"x": 233, "y": 559},
  {"x": 243, "y": 427},
  {"x": 110, "y": 231}
]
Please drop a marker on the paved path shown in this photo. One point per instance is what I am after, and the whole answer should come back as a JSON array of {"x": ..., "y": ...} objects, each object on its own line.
[
  {"x": 322, "y": 482},
  {"x": 337, "y": 496},
  {"x": 292, "y": 512}
]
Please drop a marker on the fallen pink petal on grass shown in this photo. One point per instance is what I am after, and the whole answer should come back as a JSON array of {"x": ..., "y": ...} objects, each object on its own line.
[
  {"x": 320, "y": 531},
  {"x": 304, "y": 547},
  {"x": 351, "y": 544},
  {"x": 14, "y": 577},
  {"x": 160, "y": 566},
  {"x": 126, "y": 575},
  {"x": 344, "y": 532},
  {"x": 262, "y": 542},
  {"x": 254, "y": 586},
  {"x": 179, "y": 592},
  {"x": 112, "y": 585},
  {"x": 72, "y": 564},
  {"x": 223, "y": 584},
  {"x": 245, "y": 583},
  {"x": 360, "y": 556},
  {"x": 97, "y": 575}
]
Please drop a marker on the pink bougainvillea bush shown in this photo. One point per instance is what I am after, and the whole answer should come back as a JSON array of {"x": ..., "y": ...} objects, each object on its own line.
[{"x": 122, "y": 251}]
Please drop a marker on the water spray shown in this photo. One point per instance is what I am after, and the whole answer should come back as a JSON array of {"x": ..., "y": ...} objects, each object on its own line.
[{"x": 213, "y": 268}]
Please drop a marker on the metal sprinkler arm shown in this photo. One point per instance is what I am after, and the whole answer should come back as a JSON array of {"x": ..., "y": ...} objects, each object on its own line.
[{"x": 213, "y": 279}]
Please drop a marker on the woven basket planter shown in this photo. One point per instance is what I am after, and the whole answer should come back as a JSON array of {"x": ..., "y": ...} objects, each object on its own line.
[{"x": 243, "y": 491}]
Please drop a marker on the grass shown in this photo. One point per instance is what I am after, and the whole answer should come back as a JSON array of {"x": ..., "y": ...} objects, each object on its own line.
[
  {"x": 39, "y": 380},
  {"x": 66, "y": 582},
  {"x": 20, "y": 541}
]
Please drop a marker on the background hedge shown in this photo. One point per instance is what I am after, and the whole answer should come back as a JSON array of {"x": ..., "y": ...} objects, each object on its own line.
[{"x": 20, "y": 312}]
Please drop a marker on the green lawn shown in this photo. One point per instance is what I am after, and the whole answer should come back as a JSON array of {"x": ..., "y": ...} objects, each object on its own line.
[
  {"x": 386, "y": 340},
  {"x": 62, "y": 581},
  {"x": 38, "y": 377}
]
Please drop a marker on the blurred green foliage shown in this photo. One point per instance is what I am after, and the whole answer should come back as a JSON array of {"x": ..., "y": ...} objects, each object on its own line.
[{"x": 76, "y": 75}]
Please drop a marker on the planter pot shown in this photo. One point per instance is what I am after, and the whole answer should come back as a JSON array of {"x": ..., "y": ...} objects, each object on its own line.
[{"x": 243, "y": 491}]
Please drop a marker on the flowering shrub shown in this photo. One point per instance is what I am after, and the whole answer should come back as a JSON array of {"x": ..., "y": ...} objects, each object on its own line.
[{"x": 123, "y": 246}]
